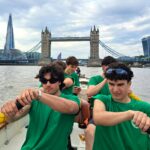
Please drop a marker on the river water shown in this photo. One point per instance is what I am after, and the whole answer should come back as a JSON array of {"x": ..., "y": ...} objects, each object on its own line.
[{"x": 13, "y": 79}]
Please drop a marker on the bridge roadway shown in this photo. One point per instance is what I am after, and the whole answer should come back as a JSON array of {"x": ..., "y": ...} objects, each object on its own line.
[{"x": 66, "y": 39}]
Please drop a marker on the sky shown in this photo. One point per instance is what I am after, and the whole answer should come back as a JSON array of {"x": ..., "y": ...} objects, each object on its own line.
[{"x": 121, "y": 24}]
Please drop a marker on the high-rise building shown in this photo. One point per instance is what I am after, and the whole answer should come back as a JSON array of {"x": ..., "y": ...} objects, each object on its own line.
[
  {"x": 10, "y": 44},
  {"x": 146, "y": 46}
]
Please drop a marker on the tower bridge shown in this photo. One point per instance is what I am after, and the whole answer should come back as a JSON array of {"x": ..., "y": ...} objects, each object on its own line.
[{"x": 47, "y": 39}]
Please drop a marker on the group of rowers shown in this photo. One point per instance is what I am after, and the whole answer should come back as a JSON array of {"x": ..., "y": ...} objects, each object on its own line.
[{"x": 112, "y": 117}]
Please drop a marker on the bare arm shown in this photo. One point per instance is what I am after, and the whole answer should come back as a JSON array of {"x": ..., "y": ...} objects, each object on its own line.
[
  {"x": 60, "y": 104},
  {"x": 94, "y": 89},
  {"x": 55, "y": 102},
  {"x": 105, "y": 118},
  {"x": 68, "y": 82}
]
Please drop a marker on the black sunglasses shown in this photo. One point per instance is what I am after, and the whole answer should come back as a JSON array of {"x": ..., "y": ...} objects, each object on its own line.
[
  {"x": 118, "y": 71},
  {"x": 52, "y": 80}
]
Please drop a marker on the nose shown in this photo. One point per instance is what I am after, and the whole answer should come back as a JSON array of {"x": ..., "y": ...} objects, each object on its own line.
[
  {"x": 48, "y": 83},
  {"x": 115, "y": 89}
]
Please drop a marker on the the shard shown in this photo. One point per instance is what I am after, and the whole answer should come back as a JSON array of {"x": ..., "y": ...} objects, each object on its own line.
[{"x": 9, "y": 37}]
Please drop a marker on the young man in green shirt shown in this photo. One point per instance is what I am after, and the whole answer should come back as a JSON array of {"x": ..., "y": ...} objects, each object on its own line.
[
  {"x": 96, "y": 85},
  {"x": 120, "y": 120},
  {"x": 74, "y": 86},
  {"x": 51, "y": 112}
]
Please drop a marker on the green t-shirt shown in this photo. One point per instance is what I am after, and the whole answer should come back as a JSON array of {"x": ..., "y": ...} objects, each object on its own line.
[
  {"x": 48, "y": 129},
  {"x": 76, "y": 82},
  {"x": 96, "y": 80},
  {"x": 68, "y": 90},
  {"x": 123, "y": 136},
  {"x": 76, "y": 79}
]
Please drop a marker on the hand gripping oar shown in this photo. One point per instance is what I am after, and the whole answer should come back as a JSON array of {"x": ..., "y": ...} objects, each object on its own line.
[
  {"x": 147, "y": 131},
  {"x": 3, "y": 117}
]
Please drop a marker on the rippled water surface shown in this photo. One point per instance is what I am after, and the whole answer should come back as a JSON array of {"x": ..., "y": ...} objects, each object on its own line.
[{"x": 13, "y": 79}]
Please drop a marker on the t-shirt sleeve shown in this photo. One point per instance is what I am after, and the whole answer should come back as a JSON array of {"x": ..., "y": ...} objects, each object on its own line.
[
  {"x": 76, "y": 79},
  {"x": 104, "y": 98},
  {"x": 95, "y": 80},
  {"x": 92, "y": 81},
  {"x": 144, "y": 107},
  {"x": 69, "y": 76},
  {"x": 73, "y": 98}
]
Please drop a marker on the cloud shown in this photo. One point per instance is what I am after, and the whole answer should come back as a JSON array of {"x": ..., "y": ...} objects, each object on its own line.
[{"x": 122, "y": 24}]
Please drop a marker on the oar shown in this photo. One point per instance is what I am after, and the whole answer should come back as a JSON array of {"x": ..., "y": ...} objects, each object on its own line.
[
  {"x": 148, "y": 131},
  {"x": 3, "y": 117}
]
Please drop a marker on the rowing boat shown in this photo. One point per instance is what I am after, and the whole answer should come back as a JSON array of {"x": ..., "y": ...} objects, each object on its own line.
[{"x": 13, "y": 134}]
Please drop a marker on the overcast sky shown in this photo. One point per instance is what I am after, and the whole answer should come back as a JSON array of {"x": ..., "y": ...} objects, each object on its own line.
[{"x": 122, "y": 24}]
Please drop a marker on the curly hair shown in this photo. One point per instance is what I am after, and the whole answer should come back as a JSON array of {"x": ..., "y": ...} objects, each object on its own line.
[{"x": 56, "y": 72}]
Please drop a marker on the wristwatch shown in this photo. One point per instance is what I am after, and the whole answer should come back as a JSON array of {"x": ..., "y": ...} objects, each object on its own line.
[{"x": 39, "y": 94}]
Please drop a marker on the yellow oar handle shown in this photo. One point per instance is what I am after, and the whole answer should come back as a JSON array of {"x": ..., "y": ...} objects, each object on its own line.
[
  {"x": 132, "y": 95},
  {"x": 2, "y": 118}
]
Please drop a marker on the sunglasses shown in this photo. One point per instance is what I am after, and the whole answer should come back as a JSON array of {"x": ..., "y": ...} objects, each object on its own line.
[
  {"x": 52, "y": 80},
  {"x": 118, "y": 71}
]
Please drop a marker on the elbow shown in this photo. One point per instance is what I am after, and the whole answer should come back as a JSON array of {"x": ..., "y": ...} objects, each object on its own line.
[
  {"x": 95, "y": 119},
  {"x": 99, "y": 120},
  {"x": 74, "y": 109},
  {"x": 89, "y": 94}
]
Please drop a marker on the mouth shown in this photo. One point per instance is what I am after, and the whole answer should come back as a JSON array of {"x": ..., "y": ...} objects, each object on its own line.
[
  {"x": 48, "y": 90},
  {"x": 116, "y": 94}
]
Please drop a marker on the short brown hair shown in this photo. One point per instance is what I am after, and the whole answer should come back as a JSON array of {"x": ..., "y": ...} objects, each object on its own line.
[{"x": 72, "y": 61}]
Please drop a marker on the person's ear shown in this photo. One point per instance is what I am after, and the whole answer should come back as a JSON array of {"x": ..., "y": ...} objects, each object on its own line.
[{"x": 129, "y": 83}]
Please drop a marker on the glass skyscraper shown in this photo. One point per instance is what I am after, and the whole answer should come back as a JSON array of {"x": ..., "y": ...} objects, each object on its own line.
[
  {"x": 10, "y": 44},
  {"x": 146, "y": 46}
]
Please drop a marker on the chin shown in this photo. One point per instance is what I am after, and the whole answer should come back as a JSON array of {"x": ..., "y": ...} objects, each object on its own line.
[{"x": 117, "y": 97}]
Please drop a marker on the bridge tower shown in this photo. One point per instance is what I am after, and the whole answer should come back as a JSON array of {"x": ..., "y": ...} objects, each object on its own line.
[
  {"x": 45, "y": 47},
  {"x": 94, "y": 60}
]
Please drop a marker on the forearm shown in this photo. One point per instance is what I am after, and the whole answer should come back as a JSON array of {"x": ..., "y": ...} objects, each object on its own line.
[
  {"x": 24, "y": 111},
  {"x": 96, "y": 89},
  {"x": 19, "y": 114},
  {"x": 59, "y": 104},
  {"x": 111, "y": 118}
]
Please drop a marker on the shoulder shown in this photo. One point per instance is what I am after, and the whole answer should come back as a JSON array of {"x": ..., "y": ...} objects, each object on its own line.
[
  {"x": 95, "y": 79},
  {"x": 103, "y": 98},
  {"x": 141, "y": 105},
  {"x": 67, "y": 75}
]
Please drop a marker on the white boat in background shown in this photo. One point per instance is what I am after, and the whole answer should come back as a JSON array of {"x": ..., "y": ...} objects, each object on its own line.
[{"x": 12, "y": 135}]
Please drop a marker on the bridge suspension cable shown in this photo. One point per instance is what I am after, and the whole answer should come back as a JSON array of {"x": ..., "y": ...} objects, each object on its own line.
[
  {"x": 35, "y": 48},
  {"x": 110, "y": 50}
]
